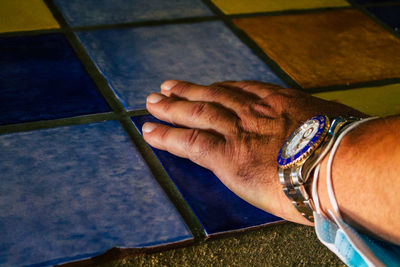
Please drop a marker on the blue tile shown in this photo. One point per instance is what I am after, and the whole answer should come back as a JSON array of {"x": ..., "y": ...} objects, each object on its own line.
[
  {"x": 73, "y": 192},
  {"x": 136, "y": 61},
  {"x": 388, "y": 14},
  {"x": 218, "y": 209},
  {"x": 94, "y": 12},
  {"x": 42, "y": 79}
]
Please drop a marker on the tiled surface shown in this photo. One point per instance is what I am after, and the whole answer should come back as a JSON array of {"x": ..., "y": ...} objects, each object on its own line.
[
  {"x": 25, "y": 15},
  {"x": 327, "y": 48},
  {"x": 42, "y": 79},
  {"x": 218, "y": 209},
  {"x": 388, "y": 14},
  {"x": 72, "y": 192},
  {"x": 378, "y": 101},
  {"x": 93, "y": 12},
  {"x": 136, "y": 61},
  {"x": 252, "y": 6}
]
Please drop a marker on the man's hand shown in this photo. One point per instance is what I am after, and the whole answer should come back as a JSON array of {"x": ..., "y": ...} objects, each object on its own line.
[{"x": 236, "y": 129}]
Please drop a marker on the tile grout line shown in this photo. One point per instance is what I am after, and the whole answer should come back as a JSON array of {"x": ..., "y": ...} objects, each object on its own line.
[
  {"x": 350, "y": 86},
  {"x": 250, "y": 43},
  {"x": 123, "y": 117},
  {"x": 47, "y": 124},
  {"x": 162, "y": 177}
]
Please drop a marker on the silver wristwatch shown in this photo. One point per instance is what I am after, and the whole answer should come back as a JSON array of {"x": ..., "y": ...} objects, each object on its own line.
[{"x": 301, "y": 153}]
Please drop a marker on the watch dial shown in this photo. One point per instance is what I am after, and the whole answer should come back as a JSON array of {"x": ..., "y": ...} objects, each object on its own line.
[{"x": 300, "y": 138}]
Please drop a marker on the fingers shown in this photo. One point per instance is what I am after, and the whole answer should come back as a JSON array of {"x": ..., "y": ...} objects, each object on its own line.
[
  {"x": 232, "y": 99},
  {"x": 193, "y": 114},
  {"x": 199, "y": 146}
]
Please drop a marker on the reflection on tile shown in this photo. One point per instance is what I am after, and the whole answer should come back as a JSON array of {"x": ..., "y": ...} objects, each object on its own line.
[
  {"x": 42, "y": 79},
  {"x": 327, "y": 48},
  {"x": 387, "y": 14},
  {"x": 73, "y": 192},
  {"x": 377, "y": 101},
  {"x": 217, "y": 208},
  {"x": 136, "y": 61},
  {"x": 94, "y": 12},
  {"x": 246, "y": 6},
  {"x": 25, "y": 15}
]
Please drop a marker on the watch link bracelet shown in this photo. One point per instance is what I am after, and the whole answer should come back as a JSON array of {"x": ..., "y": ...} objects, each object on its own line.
[{"x": 301, "y": 153}]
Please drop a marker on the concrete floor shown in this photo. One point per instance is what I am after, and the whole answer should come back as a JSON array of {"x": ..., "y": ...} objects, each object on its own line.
[{"x": 285, "y": 244}]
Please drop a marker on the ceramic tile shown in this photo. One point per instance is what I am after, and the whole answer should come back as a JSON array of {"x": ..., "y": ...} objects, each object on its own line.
[
  {"x": 387, "y": 14},
  {"x": 73, "y": 192},
  {"x": 136, "y": 61},
  {"x": 218, "y": 209},
  {"x": 25, "y": 15},
  {"x": 94, "y": 12},
  {"x": 377, "y": 101},
  {"x": 42, "y": 79},
  {"x": 327, "y": 48},
  {"x": 245, "y": 6}
]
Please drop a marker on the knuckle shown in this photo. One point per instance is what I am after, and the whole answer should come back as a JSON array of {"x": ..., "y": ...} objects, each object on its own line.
[
  {"x": 199, "y": 109},
  {"x": 181, "y": 87}
]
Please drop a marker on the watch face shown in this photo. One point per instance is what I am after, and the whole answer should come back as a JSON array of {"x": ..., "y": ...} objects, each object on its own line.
[{"x": 302, "y": 140}]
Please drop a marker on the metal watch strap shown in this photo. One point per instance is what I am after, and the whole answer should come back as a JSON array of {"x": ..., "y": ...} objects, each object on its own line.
[
  {"x": 291, "y": 178},
  {"x": 296, "y": 192}
]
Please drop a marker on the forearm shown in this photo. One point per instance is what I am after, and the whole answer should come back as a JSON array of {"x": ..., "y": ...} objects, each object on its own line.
[{"x": 366, "y": 178}]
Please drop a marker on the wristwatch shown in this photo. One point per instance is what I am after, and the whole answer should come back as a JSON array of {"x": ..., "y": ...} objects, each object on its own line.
[{"x": 301, "y": 153}]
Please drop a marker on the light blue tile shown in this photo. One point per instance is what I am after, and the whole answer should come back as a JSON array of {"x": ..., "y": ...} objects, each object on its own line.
[
  {"x": 72, "y": 192},
  {"x": 136, "y": 61},
  {"x": 94, "y": 12}
]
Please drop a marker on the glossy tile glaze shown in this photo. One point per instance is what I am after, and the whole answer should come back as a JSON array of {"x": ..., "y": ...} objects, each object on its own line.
[
  {"x": 136, "y": 61},
  {"x": 377, "y": 101},
  {"x": 25, "y": 15},
  {"x": 41, "y": 79},
  {"x": 388, "y": 14},
  {"x": 327, "y": 48},
  {"x": 94, "y": 12},
  {"x": 72, "y": 192},
  {"x": 218, "y": 209},
  {"x": 252, "y": 6}
]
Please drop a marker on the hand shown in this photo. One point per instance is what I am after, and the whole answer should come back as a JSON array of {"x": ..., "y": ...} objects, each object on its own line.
[{"x": 236, "y": 129}]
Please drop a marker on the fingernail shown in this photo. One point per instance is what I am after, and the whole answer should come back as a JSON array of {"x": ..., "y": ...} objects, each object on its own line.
[
  {"x": 148, "y": 127},
  {"x": 167, "y": 85},
  {"x": 155, "y": 98}
]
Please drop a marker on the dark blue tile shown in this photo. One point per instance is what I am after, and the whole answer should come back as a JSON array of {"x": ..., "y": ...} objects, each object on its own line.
[
  {"x": 73, "y": 192},
  {"x": 217, "y": 208},
  {"x": 94, "y": 12},
  {"x": 136, "y": 61},
  {"x": 42, "y": 79},
  {"x": 388, "y": 14}
]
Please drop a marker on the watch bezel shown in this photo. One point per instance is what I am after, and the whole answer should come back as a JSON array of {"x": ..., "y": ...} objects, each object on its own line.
[{"x": 307, "y": 149}]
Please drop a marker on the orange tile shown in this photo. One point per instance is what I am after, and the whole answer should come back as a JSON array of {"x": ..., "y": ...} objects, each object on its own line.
[{"x": 326, "y": 48}]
